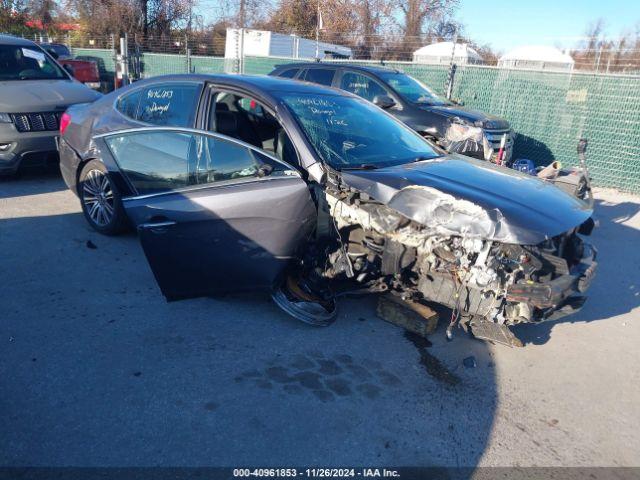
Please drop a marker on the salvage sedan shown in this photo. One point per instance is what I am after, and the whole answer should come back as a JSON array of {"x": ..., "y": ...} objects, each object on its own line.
[{"x": 243, "y": 183}]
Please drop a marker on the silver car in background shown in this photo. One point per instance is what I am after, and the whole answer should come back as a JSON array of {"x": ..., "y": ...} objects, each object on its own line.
[{"x": 34, "y": 92}]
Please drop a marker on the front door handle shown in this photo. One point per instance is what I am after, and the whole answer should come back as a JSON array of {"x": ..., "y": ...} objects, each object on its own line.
[{"x": 156, "y": 227}]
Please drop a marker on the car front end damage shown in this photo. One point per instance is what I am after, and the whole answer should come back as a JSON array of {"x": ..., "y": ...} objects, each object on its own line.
[{"x": 448, "y": 251}]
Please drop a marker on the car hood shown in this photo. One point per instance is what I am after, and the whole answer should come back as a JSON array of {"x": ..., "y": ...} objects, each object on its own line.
[
  {"x": 472, "y": 116},
  {"x": 459, "y": 195},
  {"x": 23, "y": 96}
]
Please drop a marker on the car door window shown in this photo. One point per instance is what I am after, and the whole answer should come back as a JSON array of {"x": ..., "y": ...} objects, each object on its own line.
[
  {"x": 247, "y": 120},
  {"x": 362, "y": 85},
  {"x": 323, "y": 76},
  {"x": 169, "y": 104},
  {"x": 128, "y": 104},
  {"x": 159, "y": 161},
  {"x": 289, "y": 73}
]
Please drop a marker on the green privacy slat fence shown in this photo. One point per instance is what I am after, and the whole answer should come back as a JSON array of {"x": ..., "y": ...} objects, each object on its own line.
[
  {"x": 549, "y": 112},
  {"x": 200, "y": 64},
  {"x": 154, "y": 64}
]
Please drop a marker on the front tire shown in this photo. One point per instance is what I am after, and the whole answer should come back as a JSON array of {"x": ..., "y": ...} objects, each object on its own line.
[{"x": 101, "y": 200}]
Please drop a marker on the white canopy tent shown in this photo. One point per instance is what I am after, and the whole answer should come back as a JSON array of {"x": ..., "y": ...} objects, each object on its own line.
[
  {"x": 440, "y": 54},
  {"x": 537, "y": 57}
]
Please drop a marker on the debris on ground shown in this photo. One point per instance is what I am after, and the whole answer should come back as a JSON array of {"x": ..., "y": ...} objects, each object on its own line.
[
  {"x": 412, "y": 316},
  {"x": 469, "y": 362}
]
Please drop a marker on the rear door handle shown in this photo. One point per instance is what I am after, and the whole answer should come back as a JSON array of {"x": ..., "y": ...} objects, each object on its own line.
[{"x": 156, "y": 227}]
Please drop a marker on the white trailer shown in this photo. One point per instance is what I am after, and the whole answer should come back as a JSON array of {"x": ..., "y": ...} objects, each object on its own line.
[{"x": 263, "y": 43}]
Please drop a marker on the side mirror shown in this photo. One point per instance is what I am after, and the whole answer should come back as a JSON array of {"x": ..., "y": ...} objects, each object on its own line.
[
  {"x": 69, "y": 69},
  {"x": 53, "y": 53},
  {"x": 384, "y": 101},
  {"x": 264, "y": 170}
]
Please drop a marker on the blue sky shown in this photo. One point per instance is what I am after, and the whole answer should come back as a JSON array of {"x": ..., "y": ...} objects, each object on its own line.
[{"x": 505, "y": 24}]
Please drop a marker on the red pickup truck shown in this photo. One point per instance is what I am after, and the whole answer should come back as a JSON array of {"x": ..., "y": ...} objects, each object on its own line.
[{"x": 84, "y": 71}]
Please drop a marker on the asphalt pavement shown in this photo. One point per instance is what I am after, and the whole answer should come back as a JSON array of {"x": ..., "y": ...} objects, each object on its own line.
[{"x": 96, "y": 369}]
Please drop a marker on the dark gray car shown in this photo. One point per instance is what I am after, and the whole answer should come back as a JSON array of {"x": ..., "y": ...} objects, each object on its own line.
[
  {"x": 248, "y": 182},
  {"x": 34, "y": 91},
  {"x": 456, "y": 128}
]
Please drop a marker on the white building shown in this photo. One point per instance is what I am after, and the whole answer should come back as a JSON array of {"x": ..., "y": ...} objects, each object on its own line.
[
  {"x": 537, "y": 57},
  {"x": 263, "y": 43},
  {"x": 440, "y": 54}
]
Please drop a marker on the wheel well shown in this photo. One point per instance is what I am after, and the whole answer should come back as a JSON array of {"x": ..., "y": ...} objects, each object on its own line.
[{"x": 79, "y": 171}]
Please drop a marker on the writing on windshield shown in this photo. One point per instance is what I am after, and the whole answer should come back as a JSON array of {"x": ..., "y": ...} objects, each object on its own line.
[{"x": 348, "y": 132}]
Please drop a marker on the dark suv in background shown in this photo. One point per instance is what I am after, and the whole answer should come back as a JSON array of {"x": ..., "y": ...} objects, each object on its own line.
[{"x": 455, "y": 128}]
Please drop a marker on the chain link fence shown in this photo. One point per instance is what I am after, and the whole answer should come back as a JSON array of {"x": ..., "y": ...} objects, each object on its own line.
[{"x": 549, "y": 111}]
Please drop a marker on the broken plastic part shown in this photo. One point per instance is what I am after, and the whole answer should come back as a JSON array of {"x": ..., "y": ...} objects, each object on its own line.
[{"x": 467, "y": 140}]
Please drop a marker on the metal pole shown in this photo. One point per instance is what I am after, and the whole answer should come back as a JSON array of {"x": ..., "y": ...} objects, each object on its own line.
[
  {"x": 318, "y": 32},
  {"x": 188, "y": 53},
  {"x": 241, "y": 62},
  {"x": 452, "y": 68},
  {"x": 112, "y": 42}
]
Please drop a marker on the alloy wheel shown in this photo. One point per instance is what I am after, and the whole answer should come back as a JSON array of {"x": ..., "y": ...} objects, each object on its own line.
[{"x": 97, "y": 196}]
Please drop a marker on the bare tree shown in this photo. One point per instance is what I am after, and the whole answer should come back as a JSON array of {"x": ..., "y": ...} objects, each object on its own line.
[{"x": 416, "y": 15}]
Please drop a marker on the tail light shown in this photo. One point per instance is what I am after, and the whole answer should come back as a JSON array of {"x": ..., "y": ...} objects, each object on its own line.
[{"x": 65, "y": 120}]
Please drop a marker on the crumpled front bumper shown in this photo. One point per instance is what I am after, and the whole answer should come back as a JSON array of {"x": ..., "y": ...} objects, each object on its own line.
[{"x": 563, "y": 295}]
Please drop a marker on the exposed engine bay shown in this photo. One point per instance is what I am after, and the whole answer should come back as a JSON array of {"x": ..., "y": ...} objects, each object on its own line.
[{"x": 363, "y": 245}]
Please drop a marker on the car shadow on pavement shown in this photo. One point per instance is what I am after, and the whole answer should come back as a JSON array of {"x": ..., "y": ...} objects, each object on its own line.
[
  {"x": 32, "y": 181},
  {"x": 616, "y": 288},
  {"x": 103, "y": 372}
]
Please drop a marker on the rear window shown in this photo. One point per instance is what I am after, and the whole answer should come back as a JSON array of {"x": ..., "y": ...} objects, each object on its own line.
[
  {"x": 323, "y": 76},
  {"x": 289, "y": 73},
  {"x": 128, "y": 104},
  {"x": 169, "y": 104}
]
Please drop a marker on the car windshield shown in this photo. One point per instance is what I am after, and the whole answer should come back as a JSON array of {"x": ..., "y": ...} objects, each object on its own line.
[
  {"x": 19, "y": 62},
  {"x": 60, "y": 50},
  {"x": 349, "y": 132},
  {"x": 411, "y": 89}
]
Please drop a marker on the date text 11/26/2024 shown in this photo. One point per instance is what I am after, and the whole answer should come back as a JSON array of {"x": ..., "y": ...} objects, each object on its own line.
[{"x": 316, "y": 472}]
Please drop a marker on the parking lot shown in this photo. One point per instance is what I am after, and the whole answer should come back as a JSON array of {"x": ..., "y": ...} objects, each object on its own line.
[{"x": 96, "y": 369}]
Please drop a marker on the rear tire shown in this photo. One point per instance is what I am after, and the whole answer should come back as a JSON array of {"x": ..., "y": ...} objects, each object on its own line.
[{"x": 101, "y": 200}]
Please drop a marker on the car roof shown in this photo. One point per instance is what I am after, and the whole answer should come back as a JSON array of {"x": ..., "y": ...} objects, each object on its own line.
[
  {"x": 352, "y": 66},
  {"x": 265, "y": 85},
  {"x": 11, "y": 40}
]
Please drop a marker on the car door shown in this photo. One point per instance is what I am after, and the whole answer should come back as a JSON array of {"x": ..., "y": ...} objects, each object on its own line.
[
  {"x": 321, "y": 76},
  {"x": 362, "y": 85},
  {"x": 211, "y": 217}
]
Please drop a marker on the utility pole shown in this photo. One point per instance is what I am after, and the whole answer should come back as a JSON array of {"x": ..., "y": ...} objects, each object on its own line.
[
  {"x": 145, "y": 18},
  {"x": 242, "y": 15},
  {"x": 242, "y": 19},
  {"x": 318, "y": 21}
]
